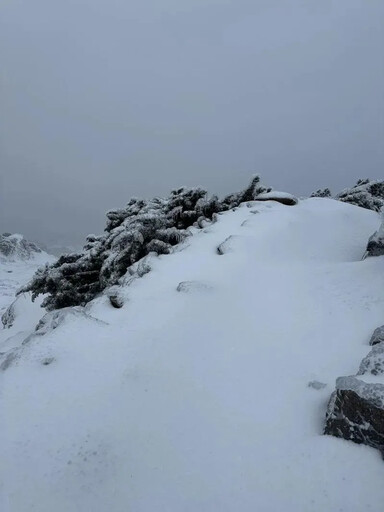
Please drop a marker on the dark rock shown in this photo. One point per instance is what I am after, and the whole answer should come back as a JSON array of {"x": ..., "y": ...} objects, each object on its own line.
[
  {"x": 375, "y": 245},
  {"x": 356, "y": 412},
  {"x": 377, "y": 336},
  {"x": 116, "y": 300}
]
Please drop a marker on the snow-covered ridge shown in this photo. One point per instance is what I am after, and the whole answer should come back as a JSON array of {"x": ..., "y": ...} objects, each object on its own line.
[
  {"x": 194, "y": 394},
  {"x": 14, "y": 247},
  {"x": 19, "y": 260}
]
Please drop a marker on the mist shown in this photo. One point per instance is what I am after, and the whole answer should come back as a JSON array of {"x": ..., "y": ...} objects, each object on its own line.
[{"x": 105, "y": 100}]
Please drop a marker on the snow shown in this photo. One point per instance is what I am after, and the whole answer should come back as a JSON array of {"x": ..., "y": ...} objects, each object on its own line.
[
  {"x": 14, "y": 272},
  {"x": 200, "y": 401}
]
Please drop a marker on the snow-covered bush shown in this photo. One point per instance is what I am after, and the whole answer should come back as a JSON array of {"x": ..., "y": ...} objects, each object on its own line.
[
  {"x": 322, "y": 192},
  {"x": 142, "y": 227},
  {"x": 366, "y": 194}
]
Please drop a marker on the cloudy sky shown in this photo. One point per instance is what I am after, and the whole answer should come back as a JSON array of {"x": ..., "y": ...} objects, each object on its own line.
[{"x": 102, "y": 100}]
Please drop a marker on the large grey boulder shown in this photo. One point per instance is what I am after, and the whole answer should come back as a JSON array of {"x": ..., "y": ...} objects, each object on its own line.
[{"x": 356, "y": 412}]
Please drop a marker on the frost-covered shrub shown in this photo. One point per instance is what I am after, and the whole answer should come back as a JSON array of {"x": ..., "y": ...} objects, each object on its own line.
[
  {"x": 322, "y": 192},
  {"x": 366, "y": 194},
  {"x": 142, "y": 227}
]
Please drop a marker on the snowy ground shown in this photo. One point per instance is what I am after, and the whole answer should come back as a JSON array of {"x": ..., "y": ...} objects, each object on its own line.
[
  {"x": 16, "y": 272},
  {"x": 198, "y": 400}
]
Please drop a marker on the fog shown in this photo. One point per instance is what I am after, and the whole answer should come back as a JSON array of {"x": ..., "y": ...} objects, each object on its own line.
[{"x": 104, "y": 100}]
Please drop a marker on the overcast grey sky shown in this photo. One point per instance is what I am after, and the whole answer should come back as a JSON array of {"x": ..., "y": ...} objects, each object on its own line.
[{"x": 105, "y": 99}]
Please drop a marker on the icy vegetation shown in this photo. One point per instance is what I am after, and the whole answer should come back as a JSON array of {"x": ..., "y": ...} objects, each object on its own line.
[
  {"x": 205, "y": 386},
  {"x": 366, "y": 194},
  {"x": 141, "y": 228}
]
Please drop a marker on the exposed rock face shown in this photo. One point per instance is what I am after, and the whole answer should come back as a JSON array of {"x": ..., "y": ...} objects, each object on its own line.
[
  {"x": 356, "y": 409},
  {"x": 356, "y": 412},
  {"x": 374, "y": 362},
  {"x": 377, "y": 336}
]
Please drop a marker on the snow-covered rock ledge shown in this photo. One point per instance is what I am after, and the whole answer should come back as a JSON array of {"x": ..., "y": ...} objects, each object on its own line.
[{"x": 356, "y": 408}]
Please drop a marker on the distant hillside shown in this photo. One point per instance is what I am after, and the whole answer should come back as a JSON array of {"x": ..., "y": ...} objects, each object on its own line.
[{"x": 15, "y": 247}]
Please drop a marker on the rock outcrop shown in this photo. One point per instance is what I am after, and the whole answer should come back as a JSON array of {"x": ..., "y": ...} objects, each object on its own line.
[
  {"x": 375, "y": 245},
  {"x": 356, "y": 412},
  {"x": 356, "y": 408}
]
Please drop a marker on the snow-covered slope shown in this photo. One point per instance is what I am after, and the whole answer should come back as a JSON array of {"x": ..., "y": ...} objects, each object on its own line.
[
  {"x": 19, "y": 260},
  {"x": 198, "y": 399}
]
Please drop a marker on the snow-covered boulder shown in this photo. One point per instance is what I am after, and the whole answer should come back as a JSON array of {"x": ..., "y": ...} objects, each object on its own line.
[
  {"x": 377, "y": 336},
  {"x": 356, "y": 412},
  {"x": 373, "y": 363},
  {"x": 280, "y": 197},
  {"x": 375, "y": 245}
]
